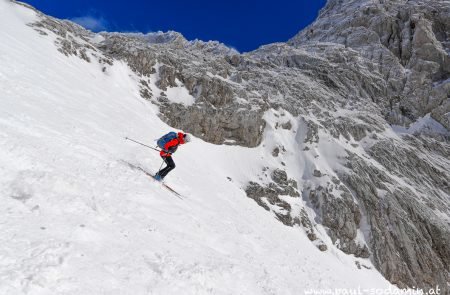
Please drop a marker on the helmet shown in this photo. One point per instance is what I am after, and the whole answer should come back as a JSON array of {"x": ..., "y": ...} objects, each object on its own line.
[{"x": 187, "y": 137}]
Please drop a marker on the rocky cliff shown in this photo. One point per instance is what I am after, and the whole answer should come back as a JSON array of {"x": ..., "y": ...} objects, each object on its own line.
[
  {"x": 360, "y": 99},
  {"x": 407, "y": 41}
]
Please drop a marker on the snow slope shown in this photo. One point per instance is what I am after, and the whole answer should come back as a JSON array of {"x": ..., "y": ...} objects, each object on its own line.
[{"x": 77, "y": 218}]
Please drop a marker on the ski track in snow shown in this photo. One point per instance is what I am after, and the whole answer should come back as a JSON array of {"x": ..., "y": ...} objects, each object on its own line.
[{"x": 76, "y": 219}]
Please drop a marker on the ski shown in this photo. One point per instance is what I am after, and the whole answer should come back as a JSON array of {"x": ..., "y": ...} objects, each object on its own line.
[
  {"x": 172, "y": 190},
  {"x": 177, "y": 194}
]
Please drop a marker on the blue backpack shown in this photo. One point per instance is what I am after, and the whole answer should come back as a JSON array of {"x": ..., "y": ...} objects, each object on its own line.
[{"x": 165, "y": 139}]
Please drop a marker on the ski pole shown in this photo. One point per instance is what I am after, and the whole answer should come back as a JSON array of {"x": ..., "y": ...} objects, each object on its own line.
[
  {"x": 142, "y": 144},
  {"x": 160, "y": 166}
]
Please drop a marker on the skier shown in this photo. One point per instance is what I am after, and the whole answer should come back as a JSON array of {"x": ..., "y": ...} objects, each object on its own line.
[{"x": 169, "y": 144}]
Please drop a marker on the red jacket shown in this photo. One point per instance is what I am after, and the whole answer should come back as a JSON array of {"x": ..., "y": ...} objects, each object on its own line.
[{"x": 171, "y": 146}]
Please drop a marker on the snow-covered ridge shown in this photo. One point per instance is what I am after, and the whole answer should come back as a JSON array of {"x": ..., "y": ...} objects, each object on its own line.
[
  {"x": 158, "y": 37},
  {"x": 177, "y": 39}
]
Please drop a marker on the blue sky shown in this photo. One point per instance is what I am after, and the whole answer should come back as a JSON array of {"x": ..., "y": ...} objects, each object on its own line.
[{"x": 244, "y": 25}]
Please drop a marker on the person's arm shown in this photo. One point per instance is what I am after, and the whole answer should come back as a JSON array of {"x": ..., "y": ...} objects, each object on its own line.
[{"x": 171, "y": 146}]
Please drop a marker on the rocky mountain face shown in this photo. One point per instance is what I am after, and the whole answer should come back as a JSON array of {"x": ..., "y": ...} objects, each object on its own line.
[
  {"x": 407, "y": 41},
  {"x": 340, "y": 88}
]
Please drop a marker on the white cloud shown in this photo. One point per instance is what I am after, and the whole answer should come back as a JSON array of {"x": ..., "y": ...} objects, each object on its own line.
[{"x": 91, "y": 23}]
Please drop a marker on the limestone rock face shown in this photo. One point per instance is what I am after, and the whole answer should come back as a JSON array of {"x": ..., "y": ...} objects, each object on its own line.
[
  {"x": 342, "y": 216},
  {"x": 408, "y": 42},
  {"x": 406, "y": 245},
  {"x": 364, "y": 92}
]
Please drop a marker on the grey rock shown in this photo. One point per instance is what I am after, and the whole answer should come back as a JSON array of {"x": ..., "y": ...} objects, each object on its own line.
[
  {"x": 322, "y": 247},
  {"x": 312, "y": 133},
  {"x": 280, "y": 177},
  {"x": 270, "y": 194},
  {"x": 317, "y": 173},
  {"x": 408, "y": 42},
  {"x": 287, "y": 125},
  {"x": 404, "y": 248},
  {"x": 276, "y": 152},
  {"x": 342, "y": 216}
]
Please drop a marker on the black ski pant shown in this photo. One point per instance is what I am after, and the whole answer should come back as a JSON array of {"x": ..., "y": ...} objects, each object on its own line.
[{"x": 170, "y": 166}]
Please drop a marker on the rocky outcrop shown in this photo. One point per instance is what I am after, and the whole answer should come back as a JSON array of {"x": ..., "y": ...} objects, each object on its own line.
[
  {"x": 218, "y": 126},
  {"x": 281, "y": 186},
  {"x": 408, "y": 241},
  {"x": 342, "y": 216},
  {"x": 270, "y": 198},
  {"x": 213, "y": 116}
]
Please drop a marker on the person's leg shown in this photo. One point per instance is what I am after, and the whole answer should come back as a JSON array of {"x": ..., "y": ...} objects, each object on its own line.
[
  {"x": 170, "y": 166},
  {"x": 163, "y": 169}
]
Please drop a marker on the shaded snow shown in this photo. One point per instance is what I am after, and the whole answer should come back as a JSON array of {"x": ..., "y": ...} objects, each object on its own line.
[
  {"x": 426, "y": 123},
  {"x": 180, "y": 94}
]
